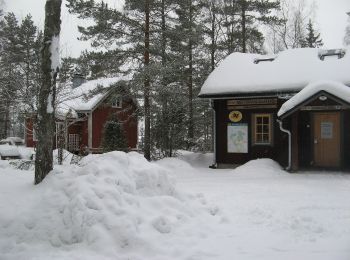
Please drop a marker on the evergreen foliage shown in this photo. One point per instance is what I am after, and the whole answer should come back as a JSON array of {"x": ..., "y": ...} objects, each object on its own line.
[
  {"x": 170, "y": 46},
  {"x": 19, "y": 72},
  {"x": 114, "y": 137},
  {"x": 313, "y": 39}
]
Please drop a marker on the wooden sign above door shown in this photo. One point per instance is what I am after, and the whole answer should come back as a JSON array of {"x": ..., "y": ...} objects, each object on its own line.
[{"x": 251, "y": 103}]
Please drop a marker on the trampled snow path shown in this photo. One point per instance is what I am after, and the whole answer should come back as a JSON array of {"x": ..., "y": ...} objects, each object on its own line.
[
  {"x": 272, "y": 214},
  {"x": 122, "y": 207}
]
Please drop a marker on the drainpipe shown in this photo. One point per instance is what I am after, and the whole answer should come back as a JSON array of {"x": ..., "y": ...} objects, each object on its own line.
[
  {"x": 289, "y": 144},
  {"x": 214, "y": 165}
]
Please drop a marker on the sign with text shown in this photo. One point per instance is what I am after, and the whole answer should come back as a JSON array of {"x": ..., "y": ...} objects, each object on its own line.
[
  {"x": 252, "y": 103},
  {"x": 326, "y": 130}
]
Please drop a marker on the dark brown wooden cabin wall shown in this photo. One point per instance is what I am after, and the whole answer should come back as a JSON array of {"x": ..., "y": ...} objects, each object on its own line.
[
  {"x": 305, "y": 138},
  {"x": 346, "y": 140},
  {"x": 278, "y": 151}
]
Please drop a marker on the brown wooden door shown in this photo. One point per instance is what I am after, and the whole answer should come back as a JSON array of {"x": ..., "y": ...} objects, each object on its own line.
[{"x": 327, "y": 139}]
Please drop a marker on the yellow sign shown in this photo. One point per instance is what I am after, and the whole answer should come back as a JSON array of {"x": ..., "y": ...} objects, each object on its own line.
[{"x": 235, "y": 116}]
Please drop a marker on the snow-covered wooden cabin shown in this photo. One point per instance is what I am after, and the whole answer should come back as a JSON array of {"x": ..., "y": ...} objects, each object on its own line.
[
  {"x": 293, "y": 107},
  {"x": 82, "y": 112}
]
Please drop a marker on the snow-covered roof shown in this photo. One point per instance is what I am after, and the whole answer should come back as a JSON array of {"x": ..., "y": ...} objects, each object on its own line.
[
  {"x": 290, "y": 70},
  {"x": 337, "y": 89},
  {"x": 83, "y": 97}
]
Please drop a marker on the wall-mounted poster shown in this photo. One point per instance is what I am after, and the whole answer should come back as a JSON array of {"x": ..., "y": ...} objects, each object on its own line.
[{"x": 237, "y": 138}]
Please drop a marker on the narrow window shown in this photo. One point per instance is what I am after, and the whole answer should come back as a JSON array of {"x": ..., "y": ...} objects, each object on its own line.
[
  {"x": 262, "y": 129},
  {"x": 73, "y": 142},
  {"x": 117, "y": 102}
]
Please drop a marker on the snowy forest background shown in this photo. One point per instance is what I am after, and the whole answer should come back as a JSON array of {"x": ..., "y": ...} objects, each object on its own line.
[{"x": 167, "y": 47}]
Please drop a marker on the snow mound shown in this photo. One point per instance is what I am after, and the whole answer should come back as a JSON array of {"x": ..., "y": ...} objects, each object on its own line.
[
  {"x": 110, "y": 203},
  {"x": 197, "y": 159},
  {"x": 260, "y": 168},
  {"x": 67, "y": 157}
]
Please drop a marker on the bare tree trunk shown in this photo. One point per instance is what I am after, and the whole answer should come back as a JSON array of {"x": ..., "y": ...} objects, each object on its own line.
[
  {"x": 147, "y": 103},
  {"x": 244, "y": 29},
  {"x": 165, "y": 123},
  {"x": 7, "y": 119},
  {"x": 190, "y": 82},
  {"x": 46, "y": 115},
  {"x": 212, "y": 36}
]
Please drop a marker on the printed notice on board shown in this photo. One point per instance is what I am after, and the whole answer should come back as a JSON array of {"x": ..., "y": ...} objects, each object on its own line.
[
  {"x": 326, "y": 130},
  {"x": 237, "y": 138}
]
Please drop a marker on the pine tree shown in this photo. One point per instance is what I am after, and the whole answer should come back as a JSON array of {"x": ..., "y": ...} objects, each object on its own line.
[
  {"x": 187, "y": 37},
  {"x": 47, "y": 92},
  {"x": 114, "y": 137},
  {"x": 313, "y": 39},
  {"x": 29, "y": 46},
  {"x": 130, "y": 31},
  {"x": 10, "y": 58},
  {"x": 250, "y": 12}
]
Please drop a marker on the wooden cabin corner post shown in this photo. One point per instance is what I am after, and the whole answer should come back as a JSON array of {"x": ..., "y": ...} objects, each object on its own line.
[
  {"x": 295, "y": 145},
  {"x": 90, "y": 131}
]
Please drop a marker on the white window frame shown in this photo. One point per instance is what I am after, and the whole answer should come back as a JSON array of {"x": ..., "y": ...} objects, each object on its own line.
[
  {"x": 73, "y": 142},
  {"x": 117, "y": 102}
]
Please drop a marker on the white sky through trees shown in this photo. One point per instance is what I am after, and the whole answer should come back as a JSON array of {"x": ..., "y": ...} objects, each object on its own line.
[{"x": 331, "y": 21}]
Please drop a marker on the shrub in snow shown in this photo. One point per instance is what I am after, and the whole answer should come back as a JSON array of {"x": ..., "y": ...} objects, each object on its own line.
[{"x": 114, "y": 137}]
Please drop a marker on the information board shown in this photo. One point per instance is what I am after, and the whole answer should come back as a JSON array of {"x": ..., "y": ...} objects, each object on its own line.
[{"x": 237, "y": 138}]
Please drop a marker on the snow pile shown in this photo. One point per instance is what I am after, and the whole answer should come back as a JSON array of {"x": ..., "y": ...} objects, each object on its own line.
[
  {"x": 335, "y": 88},
  {"x": 55, "y": 53},
  {"x": 260, "y": 168},
  {"x": 290, "y": 71},
  {"x": 197, "y": 159},
  {"x": 67, "y": 157},
  {"x": 9, "y": 150},
  {"x": 114, "y": 204},
  {"x": 26, "y": 152}
]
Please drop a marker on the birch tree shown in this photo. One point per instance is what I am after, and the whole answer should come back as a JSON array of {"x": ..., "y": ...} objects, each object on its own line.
[{"x": 46, "y": 116}]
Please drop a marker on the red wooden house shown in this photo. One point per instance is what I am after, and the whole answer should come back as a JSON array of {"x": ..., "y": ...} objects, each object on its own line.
[{"x": 82, "y": 112}]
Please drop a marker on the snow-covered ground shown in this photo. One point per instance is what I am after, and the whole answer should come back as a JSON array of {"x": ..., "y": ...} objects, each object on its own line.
[{"x": 119, "y": 206}]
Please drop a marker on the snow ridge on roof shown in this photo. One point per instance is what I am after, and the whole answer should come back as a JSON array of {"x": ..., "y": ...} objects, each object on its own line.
[
  {"x": 291, "y": 70},
  {"x": 332, "y": 87},
  {"x": 81, "y": 98}
]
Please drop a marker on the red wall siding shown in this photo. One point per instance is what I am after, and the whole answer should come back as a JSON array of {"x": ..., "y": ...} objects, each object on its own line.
[
  {"x": 29, "y": 133},
  {"x": 84, "y": 134},
  {"x": 104, "y": 113},
  {"x": 99, "y": 117}
]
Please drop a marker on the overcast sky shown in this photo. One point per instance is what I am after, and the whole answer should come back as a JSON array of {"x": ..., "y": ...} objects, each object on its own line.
[{"x": 331, "y": 19}]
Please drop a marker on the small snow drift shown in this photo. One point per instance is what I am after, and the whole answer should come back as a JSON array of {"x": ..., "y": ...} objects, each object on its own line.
[
  {"x": 260, "y": 168},
  {"x": 111, "y": 204}
]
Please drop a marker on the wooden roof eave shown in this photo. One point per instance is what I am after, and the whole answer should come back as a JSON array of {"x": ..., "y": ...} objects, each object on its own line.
[
  {"x": 247, "y": 94},
  {"x": 311, "y": 99}
]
